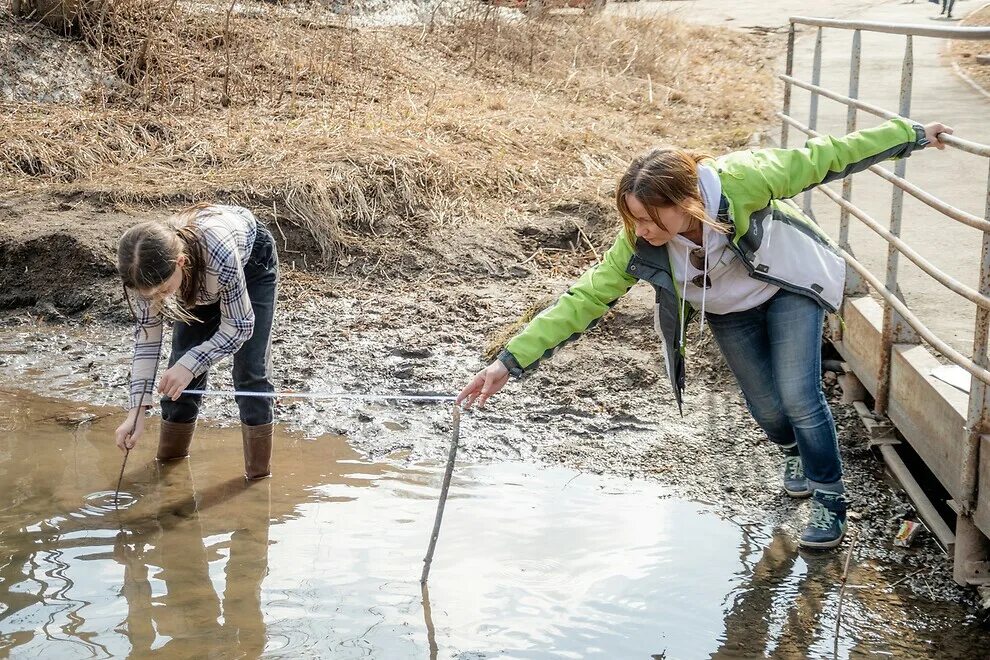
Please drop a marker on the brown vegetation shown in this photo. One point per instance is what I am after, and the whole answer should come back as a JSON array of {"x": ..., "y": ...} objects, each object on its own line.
[
  {"x": 375, "y": 139},
  {"x": 965, "y": 53}
]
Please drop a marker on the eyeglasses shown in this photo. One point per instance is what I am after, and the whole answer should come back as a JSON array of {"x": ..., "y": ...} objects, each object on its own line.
[
  {"x": 697, "y": 257},
  {"x": 702, "y": 281}
]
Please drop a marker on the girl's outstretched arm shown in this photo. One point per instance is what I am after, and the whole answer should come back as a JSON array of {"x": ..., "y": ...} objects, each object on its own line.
[
  {"x": 575, "y": 312},
  {"x": 147, "y": 348},
  {"x": 766, "y": 174}
]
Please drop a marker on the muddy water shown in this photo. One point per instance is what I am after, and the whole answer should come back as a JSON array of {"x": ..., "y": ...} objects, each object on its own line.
[{"x": 323, "y": 560}]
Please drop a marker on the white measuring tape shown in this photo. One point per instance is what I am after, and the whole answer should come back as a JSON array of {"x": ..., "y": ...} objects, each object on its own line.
[{"x": 325, "y": 395}]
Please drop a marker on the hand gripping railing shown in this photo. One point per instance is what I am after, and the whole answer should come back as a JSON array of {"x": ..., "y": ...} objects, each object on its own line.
[{"x": 897, "y": 315}]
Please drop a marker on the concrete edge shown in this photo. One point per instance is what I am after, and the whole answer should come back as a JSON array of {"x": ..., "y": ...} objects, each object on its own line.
[
  {"x": 980, "y": 89},
  {"x": 977, "y": 87},
  {"x": 929, "y": 414}
]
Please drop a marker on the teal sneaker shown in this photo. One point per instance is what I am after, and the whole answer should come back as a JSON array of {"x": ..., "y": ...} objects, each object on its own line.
[
  {"x": 795, "y": 483},
  {"x": 827, "y": 524}
]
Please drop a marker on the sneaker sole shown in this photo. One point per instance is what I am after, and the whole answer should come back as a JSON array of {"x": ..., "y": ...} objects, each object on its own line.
[
  {"x": 820, "y": 545},
  {"x": 798, "y": 494}
]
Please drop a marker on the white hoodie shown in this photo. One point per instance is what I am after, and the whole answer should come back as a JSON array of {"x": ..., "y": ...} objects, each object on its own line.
[{"x": 732, "y": 290}]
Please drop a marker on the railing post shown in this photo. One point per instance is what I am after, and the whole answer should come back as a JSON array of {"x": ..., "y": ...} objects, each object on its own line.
[
  {"x": 847, "y": 183},
  {"x": 789, "y": 68},
  {"x": 895, "y": 328},
  {"x": 972, "y": 549},
  {"x": 976, "y": 419},
  {"x": 854, "y": 283},
  {"x": 816, "y": 79}
]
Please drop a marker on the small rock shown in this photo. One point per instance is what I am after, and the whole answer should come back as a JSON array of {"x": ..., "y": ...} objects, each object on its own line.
[
  {"x": 418, "y": 353},
  {"x": 47, "y": 311}
]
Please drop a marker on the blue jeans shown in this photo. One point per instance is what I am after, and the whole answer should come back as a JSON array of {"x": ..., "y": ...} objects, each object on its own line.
[
  {"x": 252, "y": 361},
  {"x": 774, "y": 351}
]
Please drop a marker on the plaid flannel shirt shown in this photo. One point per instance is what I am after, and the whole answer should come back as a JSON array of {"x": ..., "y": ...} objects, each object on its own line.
[{"x": 228, "y": 234}]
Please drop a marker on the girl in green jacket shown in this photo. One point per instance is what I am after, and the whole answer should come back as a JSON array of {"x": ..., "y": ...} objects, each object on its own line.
[{"x": 715, "y": 236}]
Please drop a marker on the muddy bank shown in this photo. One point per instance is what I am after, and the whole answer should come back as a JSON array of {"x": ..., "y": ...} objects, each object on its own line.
[
  {"x": 57, "y": 256},
  {"x": 58, "y": 252},
  {"x": 601, "y": 405}
]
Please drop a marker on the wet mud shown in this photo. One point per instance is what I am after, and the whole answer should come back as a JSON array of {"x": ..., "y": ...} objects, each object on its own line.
[
  {"x": 601, "y": 405},
  {"x": 324, "y": 560}
]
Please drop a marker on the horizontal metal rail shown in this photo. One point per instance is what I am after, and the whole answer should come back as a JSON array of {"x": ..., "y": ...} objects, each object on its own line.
[
  {"x": 974, "y": 221},
  {"x": 939, "y": 276},
  {"x": 947, "y": 351},
  {"x": 934, "y": 202},
  {"x": 904, "y": 28},
  {"x": 835, "y": 96},
  {"x": 968, "y": 146},
  {"x": 900, "y": 325}
]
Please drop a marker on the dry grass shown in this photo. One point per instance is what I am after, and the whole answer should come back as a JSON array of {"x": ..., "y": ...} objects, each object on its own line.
[
  {"x": 373, "y": 138},
  {"x": 965, "y": 52}
]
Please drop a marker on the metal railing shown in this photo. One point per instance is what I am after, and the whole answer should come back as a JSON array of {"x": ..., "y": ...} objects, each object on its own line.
[{"x": 900, "y": 325}]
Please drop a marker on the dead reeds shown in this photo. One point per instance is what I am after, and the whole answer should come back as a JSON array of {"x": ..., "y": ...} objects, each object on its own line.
[{"x": 374, "y": 137}]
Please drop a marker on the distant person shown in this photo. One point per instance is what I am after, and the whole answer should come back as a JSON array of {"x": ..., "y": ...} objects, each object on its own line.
[
  {"x": 213, "y": 270},
  {"x": 947, "y": 8},
  {"x": 711, "y": 235}
]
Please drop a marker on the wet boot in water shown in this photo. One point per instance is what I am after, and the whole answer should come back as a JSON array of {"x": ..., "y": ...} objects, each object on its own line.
[
  {"x": 174, "y": 440},
  {"x": 257, "y": 450}
]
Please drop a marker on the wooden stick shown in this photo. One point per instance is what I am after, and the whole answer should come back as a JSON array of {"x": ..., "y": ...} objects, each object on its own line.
[
  {"x": 127, "y": 452},
  {"x": 451, "y": 457},
  {"x": 581, "y": 233},
  {"x": 842, "y": 595},
  {"x": 116, "y": 493},
  {"x": 909, "y": 575}
]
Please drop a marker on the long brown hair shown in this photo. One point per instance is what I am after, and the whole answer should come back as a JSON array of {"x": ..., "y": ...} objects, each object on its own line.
[
  {"x": 148, "y": 255},
  {"x": 662, "y": 178}
]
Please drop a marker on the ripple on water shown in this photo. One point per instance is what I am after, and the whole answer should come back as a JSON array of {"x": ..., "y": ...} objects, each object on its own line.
[
  {"x": 107, "y": 501},
  {"x": 544, "y": 571}
]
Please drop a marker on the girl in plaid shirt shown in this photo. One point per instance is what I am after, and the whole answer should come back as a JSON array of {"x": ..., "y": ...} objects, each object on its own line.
[{"x": 213, "y": 271}]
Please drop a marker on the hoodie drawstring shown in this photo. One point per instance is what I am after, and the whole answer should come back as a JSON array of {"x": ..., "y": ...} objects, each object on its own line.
[
  {"x": 704, "y": 289},
  {"x": 704, "y": 284},
  {"x": 687, "y": 262}
]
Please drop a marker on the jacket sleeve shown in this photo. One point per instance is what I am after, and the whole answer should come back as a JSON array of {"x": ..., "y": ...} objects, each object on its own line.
[
  {"x": 147, "y": 348},
  {"x": 579, "y": 309},
  {"x": 781, "y": 173}
]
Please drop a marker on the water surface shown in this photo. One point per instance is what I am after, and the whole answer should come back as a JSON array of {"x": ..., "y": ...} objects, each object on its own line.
[{"x": 323, "y": 560}]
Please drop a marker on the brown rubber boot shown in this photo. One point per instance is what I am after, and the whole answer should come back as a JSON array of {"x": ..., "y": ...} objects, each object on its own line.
[
  {"x": 257, "y": 450},
  {"x": 174, "y": 440}
]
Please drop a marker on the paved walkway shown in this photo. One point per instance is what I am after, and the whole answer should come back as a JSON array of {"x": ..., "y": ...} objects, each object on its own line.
[{"x": 938, "y": 95}]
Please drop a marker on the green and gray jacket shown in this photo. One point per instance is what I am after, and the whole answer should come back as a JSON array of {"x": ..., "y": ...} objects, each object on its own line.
[{"x": 778, "y": 244}]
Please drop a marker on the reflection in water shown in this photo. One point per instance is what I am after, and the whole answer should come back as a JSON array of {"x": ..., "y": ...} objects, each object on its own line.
[
  {"x": 431, "y": 633},
  {"x": 323, "y": 560},
  {"x": 190, "y": 614},
  {"x": 785, "y": 606}
]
